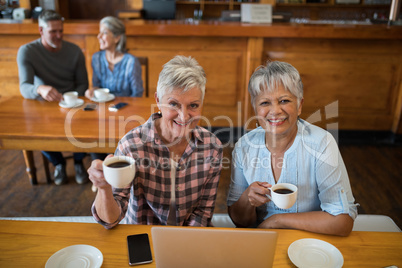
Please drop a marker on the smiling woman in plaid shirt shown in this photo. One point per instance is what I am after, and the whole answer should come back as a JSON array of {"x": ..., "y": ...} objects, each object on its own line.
[{"x": 177, "y": 162}]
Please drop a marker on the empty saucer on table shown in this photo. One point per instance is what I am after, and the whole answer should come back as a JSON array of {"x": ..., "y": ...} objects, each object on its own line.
[
  {"x": 314, "y": 253},
  {"x": 75, "y": 257},
  {"x": 110, "y": 97},
  {"x": 78, "y": 103}
]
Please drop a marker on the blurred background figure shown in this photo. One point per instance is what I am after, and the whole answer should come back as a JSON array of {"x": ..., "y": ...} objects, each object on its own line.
[
  {"x": 113, "y": 67},
  {"x": 47, "y": 68}
]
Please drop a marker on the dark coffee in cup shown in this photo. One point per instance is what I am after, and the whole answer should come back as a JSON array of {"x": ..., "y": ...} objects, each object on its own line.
[
  {"x": 119, "y": 164},
  {"x": 283, "y": 191}
]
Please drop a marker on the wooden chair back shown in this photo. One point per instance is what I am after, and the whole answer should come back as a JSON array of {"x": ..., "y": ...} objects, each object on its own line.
[{"x": 145, "y": 75}]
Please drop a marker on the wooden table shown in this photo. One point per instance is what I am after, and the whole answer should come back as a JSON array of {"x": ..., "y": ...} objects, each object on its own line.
[
  {"x": 30, "y": 125},
  {"x": 30, "y": 244}
]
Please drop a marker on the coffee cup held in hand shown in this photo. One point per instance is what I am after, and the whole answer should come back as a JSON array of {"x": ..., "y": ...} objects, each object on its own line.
[
  {"x": 284, "y": 195},
  {"x": 101, "y": 94},
  {"x": 70, "y": 97},
  {"x": 119, "y": 171}
]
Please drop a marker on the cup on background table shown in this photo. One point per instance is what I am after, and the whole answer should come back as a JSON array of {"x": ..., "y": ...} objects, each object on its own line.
[
  {"x": 284, "y": 195},
  {"x": 119, "y": 171},
  {"x": 70, "y": 98},
  {"x": 101, "y": 94}
]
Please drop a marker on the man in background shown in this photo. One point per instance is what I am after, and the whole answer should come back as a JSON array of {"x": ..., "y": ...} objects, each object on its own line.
[{"x": 47, "y": 68}]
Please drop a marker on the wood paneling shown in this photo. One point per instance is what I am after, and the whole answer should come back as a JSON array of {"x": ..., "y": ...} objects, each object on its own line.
[
  {"x": 254, "y": 58},
  {"x": 91, "y": 46},
  {"x": 9, "y": 82},
  {"x": 363, "y": 77}
]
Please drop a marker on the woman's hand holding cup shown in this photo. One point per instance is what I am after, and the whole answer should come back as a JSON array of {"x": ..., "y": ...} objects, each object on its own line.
[
  {"x": 95, "y": 173},
  {"x": 284, "y": 195},
  {"x": 116, "y": 171},
  {"x": 257, "y": 193}
]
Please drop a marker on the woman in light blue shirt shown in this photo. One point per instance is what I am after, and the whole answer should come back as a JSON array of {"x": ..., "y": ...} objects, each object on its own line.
[
  {"x": 287, "y": 149},
  {"x": 113, "y": 67}
]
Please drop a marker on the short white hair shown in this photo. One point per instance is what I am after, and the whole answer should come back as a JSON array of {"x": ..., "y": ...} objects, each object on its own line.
[
  {"x": 269, "y": 77},
  {"x": 181, "y": 73}
]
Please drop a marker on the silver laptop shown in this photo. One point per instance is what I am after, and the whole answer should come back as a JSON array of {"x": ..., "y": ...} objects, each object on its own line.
[{"x": 213, "y": 247}]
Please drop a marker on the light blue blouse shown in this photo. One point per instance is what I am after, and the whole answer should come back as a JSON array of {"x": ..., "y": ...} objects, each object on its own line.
[
  {"x": 313, "y": 163},
  {"x": 125, "y": 80}
]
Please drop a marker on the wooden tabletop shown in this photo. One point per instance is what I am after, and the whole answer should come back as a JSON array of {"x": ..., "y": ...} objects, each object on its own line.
[
  {"x": 30, "y": 244},
  {"x": 41, "y": 125}
]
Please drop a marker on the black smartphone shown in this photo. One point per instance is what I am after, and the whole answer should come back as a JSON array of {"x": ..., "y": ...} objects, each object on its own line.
[
  {"x": 90, "y": 107},
  {"x": 115, "y": 107},
  {"x": 139, "y": 250}
]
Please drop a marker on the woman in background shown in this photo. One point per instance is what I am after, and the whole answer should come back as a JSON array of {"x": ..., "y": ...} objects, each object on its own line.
[{"x": 113, "y": 67}]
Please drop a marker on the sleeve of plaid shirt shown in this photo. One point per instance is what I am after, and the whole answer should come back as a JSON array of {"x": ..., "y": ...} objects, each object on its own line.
[
  {"x": 202, "y": 213},
  {"x": 105, "y": 224},
  {"x": 122, "y": 199}
]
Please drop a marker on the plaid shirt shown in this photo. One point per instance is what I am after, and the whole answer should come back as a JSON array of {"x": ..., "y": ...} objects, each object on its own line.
[{"x": 147, "y": 199}]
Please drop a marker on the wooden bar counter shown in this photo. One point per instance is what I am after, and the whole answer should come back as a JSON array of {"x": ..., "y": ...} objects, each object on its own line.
[{"x": 351, "y": 73}]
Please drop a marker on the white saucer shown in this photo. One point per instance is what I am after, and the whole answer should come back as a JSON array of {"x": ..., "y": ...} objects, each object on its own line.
[
  {"x": 314, "y": 253},
  {"x": 110, "y": 97},
  {"x": 75, "y": 257},
  {"x": 78, "y": 103}
]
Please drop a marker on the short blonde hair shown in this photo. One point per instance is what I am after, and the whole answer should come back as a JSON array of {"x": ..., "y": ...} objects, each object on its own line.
[{"x": 181, "y": 73}]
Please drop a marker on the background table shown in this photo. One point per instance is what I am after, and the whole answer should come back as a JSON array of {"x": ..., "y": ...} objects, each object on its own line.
[{"x": 30, "y": 125}]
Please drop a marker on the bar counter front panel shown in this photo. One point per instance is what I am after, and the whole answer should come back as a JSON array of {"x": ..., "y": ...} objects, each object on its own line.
[{"x": 351, "y": 74}]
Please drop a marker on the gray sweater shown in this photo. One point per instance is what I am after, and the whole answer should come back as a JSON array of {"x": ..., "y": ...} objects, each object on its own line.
[{"x": 64, "y": 70}]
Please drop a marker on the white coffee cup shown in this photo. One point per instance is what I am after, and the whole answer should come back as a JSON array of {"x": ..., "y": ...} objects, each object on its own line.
[
  {"x": 101, "y": 94},
  {"x": 70, "y": 98},
  {"x": 120, "y": 176},
  {"x": 283, "y": 200}
]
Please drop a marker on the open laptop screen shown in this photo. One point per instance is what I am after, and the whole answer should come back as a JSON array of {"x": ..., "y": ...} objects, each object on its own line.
[{"x": 213, "y": 247}]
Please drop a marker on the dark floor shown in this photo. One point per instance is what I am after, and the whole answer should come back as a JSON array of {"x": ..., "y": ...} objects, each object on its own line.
[{"x": 375, "y": 173}]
